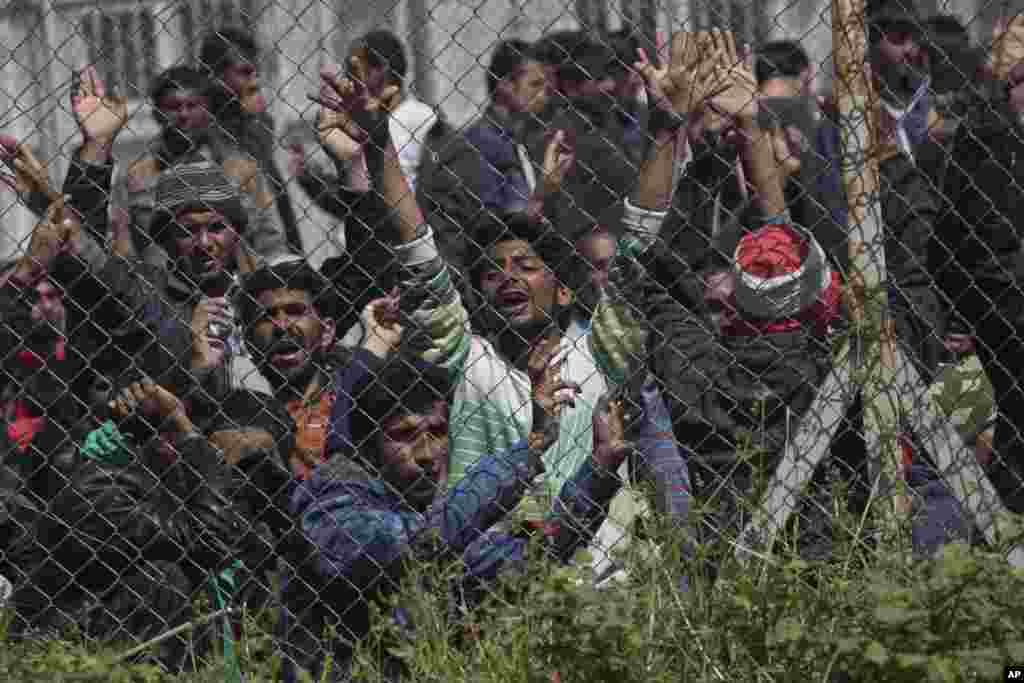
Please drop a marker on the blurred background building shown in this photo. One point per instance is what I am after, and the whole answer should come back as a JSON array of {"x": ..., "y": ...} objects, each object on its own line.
[{"x": 449, "y": 42}]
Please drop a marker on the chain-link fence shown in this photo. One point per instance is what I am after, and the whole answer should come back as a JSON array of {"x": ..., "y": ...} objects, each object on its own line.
[{"x": 517, "y": 340}]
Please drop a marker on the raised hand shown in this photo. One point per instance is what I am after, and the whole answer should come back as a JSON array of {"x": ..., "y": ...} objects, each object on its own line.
[
  {"x": 1007, "y": 47},
  {"x": 59, "y": 232},
  {"x": 688, "y": 79},
  {"x": 609, "y": 423},
  {"x": 382, "y": 322},
  {"x": 100, "y": 116},
  {"x": 559, "y": 157},
  {"x": 737, "y": 94},
  {"x": 550, "y": 393},
  {"x": 30, "y": 176},
  {"x": 151, "y": 401},
  {"x": 209, "y": 350},
  {"x": 354, "y": 111},
  {"x": 333, "y": 131}
]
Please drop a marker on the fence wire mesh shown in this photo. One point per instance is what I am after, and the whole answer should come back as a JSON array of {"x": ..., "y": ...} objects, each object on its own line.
[{"x": 374, "y": 320}]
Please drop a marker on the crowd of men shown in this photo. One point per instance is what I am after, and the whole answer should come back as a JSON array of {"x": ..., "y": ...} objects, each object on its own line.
[{"x": 618, "y": 289}]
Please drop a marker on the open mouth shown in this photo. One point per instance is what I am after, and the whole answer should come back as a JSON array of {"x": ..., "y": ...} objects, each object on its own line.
[
  {"x": 287, "y": 355},
  {"x": 513, "y": 302},
  {"x": 205, "y": 264}
]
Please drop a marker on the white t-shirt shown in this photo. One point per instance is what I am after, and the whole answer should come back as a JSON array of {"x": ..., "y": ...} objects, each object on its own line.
[{"x": 410, "y": 123}]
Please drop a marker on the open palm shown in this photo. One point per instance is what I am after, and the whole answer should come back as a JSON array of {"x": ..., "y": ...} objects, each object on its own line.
[
  {"x": 100, "y": 116},
  {"x": 350, "y": 114},
  {"x": 737, "y": 91}
]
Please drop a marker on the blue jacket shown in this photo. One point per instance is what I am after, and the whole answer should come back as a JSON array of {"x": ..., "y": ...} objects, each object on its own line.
[
  {"x": 361, "y": 535},
  {"x": 500, "y": 183}
]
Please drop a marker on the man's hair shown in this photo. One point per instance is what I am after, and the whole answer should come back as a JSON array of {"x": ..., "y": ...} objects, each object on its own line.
[
  {"x": 223, "y": 47},
  {"x": 294, "y": 274},
  {"x": 177, "y": 78},
  {"x": 780, "y": 59},
  {"x": 384, "y": 50},
  {"x": 555, "y": 48},
  {"x": 405, "y": 386},
  {"x": 554, "y": 249},
  {"x": 589, "y": 59},
  {"x": 508, "y": 59}
]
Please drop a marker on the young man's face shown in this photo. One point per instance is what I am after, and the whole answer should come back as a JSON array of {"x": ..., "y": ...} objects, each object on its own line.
[
  {"x": 242, "y": 81},
  {"x": 597, "y": 251},
  {"x": 528, "y": 92},
  {"x": 184, "y": 110},
  {"x": 520, "y": 287},
  {"x": 205, "y": 244},
  {"x": 289, "y": 335},
  {"x": 413, "y": 454}
]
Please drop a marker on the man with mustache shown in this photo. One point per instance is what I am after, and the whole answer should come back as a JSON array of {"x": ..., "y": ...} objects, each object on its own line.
[
  {"x": 182, "y": 108},
  {"x": 287, "y": 312},
  {"x": 521, "y": 271}
]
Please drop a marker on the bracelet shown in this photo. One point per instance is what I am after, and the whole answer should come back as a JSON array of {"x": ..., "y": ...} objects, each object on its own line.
[{"x": 664, "y": 120}]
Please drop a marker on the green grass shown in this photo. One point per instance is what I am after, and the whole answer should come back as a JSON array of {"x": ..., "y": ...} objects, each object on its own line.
[{"x": 870, "y": 612}]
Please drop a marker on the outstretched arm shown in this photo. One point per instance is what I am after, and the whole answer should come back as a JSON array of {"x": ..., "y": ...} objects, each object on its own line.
[{"x": 352, "y": 120}]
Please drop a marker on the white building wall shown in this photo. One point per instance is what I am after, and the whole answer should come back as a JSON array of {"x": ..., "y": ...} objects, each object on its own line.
[{"x": 450, "y": 44}]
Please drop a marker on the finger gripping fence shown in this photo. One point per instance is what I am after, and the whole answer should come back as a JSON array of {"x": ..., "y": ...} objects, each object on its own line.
[{"x": 428, "y": 341}]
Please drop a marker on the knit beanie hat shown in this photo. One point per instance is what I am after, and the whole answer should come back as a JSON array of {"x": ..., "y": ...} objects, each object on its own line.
[
  {"x": 199, "y": 186},
  {"x": 781, "y": 270}
]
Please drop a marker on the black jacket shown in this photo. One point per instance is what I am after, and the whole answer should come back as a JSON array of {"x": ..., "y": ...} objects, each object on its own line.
[
  {"x": 148, "y": 511},
  {"x": 979, "y": 238}
]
